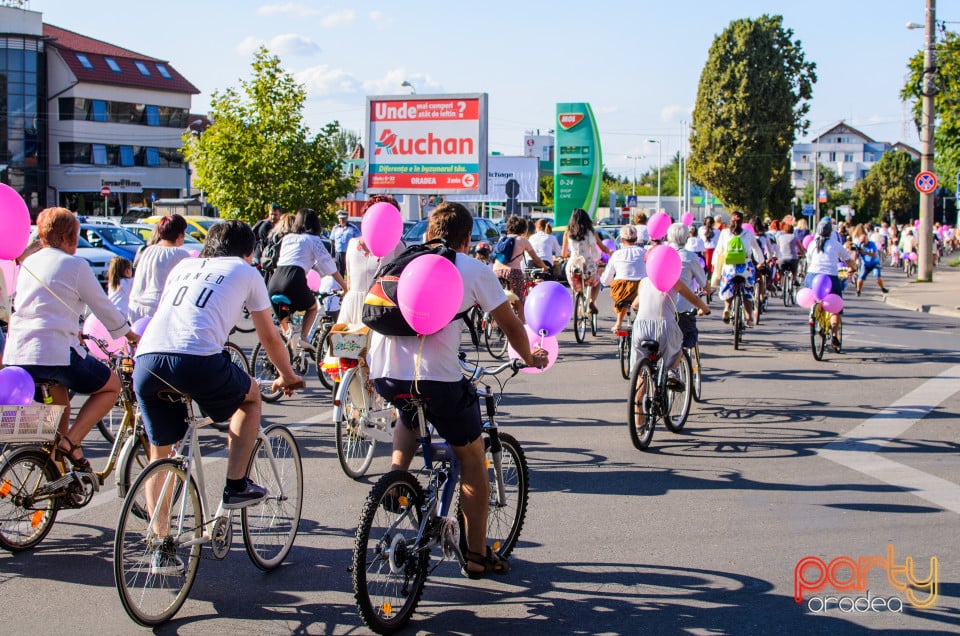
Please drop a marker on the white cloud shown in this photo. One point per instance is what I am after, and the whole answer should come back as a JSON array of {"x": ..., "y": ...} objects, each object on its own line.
[
  {"x": 293, "y": 44},
  {"x": 249, "y": 45},
  {"x": 673, "y": 112},
  {"x": 289, "y": 8},
  {"x": 338, "y": 19},
  {"x": 390, "y": 84},
  {"x": 323, "y": 81}
]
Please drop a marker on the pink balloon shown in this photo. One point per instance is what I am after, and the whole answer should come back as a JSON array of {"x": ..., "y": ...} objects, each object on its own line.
[
  {"x": 547, "y": 343},
  {"x": 807, "y": 240},
  {"x": 806, "y": 298},
  {"x": 429, "y": 293},
  {"x": 15, "y": 221},
  {"x": 93, "y": 327},
  {"x": 663, "y": 267},
  {"x": 657, "y": 225},
  {"x": 140, "y": 325},
  {"x": 749, "y": 227},
  {"x": 381, "y": 228},
  {"x": 9, "y": 271},
  {"x": 313, "y": 280},
  {"x": 687, "y": 219},
  {"x": 832, "y": 304}
]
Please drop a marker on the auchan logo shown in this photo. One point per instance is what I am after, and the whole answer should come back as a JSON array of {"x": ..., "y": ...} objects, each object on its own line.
[
  {"x": 390, "y": 144},
  {"x": 569, "y": 120}
]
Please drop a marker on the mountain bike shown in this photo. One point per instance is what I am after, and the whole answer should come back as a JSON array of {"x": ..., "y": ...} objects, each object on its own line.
[
  {"x": 821, "y": 330},
  {"x": 402, "y": 521},
  {"x": 653, "y": 397},
  {"x": 156, "y": 554},
  {"x": 35, "y": 483}
]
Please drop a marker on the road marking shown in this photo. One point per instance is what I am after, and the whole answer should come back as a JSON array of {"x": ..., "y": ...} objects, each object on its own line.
[{"x": 858, "y": 449}]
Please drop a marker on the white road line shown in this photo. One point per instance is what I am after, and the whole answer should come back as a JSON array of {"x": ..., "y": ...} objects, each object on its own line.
[{"x": 858, "y": 448}]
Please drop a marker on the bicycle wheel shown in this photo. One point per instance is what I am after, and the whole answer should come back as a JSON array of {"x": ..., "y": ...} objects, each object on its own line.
[
  {"x": 506, "y": 514},
  {"x": 641, "y": 415},
  {"x": 593, "y": 324},
  {"x": 494, "y": 338},
  {"x": 696, "y": 373},
  {"x": 581, "y": 314},
  {"x": 321, "y": 342},
  {"x": 389, "y": 570},
  {"x": 270, "y": 527},
  {"x": 237, "y": 356},
  {"x": 736, "y": 310},
  {"x": 136, "y": 459},
  {"x": 787, "y": 290},
  {"x": 354, "y": 447},
  {"x": 818, "y": 336},
  {"x": 839, "y": 346},
  {"x": 154, "y": 569},
  {"x": 623, "y": 351},
  {"x": 678, "y": 402},
  {"x": 759, "y": 300},
  {"x": 264, "y": 372},
  {"x": 25, "y": 519},
  {"x": 111, "y": 422}
]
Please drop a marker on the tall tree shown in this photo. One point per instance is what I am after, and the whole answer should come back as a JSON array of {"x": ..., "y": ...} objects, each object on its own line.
[
  {"x": 888, "y": 187},
  {"x": 258, "y": 150},
  {"x": 946, "y": 102},
  {"x": 751, "y": 102}
]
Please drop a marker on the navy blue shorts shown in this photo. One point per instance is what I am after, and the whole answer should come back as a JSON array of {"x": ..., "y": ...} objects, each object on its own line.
[
  {"x": 688, "y": 325},
  {"x": 216, "y": 384},
  {"x": 84, "y": 375},
  {"x": 452, "y": 407}
]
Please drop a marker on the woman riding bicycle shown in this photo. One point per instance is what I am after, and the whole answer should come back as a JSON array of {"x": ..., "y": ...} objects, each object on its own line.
[
  {"x": 729, "y": 263},
  {"x": 823, "y": 257},
  {"x": 153, "y": 265},
  {"x": 300, "y": 251},
  {"x": 511, "y": 269},
  {"x": 623, "y": 273},
  {"x": 53, "y": 291},
  {"x": 581, "y": 248},
  {"x": 790, "y": 249}
]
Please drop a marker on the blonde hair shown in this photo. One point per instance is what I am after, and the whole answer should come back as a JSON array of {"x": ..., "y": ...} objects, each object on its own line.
[{"x": 119, "y": 266}]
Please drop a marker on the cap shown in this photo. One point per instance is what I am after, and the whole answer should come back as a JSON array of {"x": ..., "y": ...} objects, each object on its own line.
[
  {"x": 342, "y": 214},
  {"x": 694, "y": 244},
  {"x": 628, "y": 233},
  {"x": 275, "y": 206}
]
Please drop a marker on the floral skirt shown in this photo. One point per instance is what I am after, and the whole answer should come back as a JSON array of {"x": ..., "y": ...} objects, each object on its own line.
[{"x": 749, "y": 273}]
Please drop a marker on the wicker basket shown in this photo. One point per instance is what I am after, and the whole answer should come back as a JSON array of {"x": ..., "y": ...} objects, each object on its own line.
[{"x": 33, "y": 423}]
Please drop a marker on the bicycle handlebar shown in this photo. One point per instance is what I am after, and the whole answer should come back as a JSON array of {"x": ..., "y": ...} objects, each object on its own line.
[{"x": 476, "y": 371}]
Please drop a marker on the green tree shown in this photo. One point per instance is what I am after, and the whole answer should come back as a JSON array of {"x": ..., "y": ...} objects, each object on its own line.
[
  {"x": 946, "y": 102},
  {"x": 888, "y": 187},
  {"x": 752, "y": 100},
  {"x": 258, "y": 151}
]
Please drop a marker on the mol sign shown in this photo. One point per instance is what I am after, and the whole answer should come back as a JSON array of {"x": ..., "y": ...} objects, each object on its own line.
[{"x": 435, "y": 145}]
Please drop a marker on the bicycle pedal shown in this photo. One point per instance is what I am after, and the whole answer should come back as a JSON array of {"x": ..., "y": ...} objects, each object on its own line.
[{"x": 450, "y": 538}]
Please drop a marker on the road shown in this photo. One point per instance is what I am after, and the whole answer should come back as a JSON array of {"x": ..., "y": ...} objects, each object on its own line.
[{"x": 786, "y": 458}]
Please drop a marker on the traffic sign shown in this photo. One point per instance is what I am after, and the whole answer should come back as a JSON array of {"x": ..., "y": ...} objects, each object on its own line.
[
  {"x": 632, "y": 199},
  {"x": 808, "y": 209},
  {"x": 926, "y": 182},
  {"x": 105, "y": 191}
]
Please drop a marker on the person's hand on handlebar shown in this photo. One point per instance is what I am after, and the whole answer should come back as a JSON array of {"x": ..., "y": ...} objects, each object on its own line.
[{"x": 288, "y": 384}]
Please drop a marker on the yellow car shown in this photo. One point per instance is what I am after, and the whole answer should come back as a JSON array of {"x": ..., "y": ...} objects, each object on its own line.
[{"x": 197, "y": 226}]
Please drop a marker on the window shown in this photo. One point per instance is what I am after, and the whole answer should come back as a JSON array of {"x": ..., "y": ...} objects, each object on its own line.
[
  {"x": 848, "y": 156},
  {"x": 99, "y": 110},
  {"x": 112, "y": 63},
  {"x": 153, "y": 115},
  {"x": 99, "y": 154},
  {"x": 164, "y": 72},
  {"x": 153, "y": 157},
  {"x": 74, "y": 152},
  {"x": 126, "y": 155},
  {"x": 868, "y": 157},
  {"x": 833, "y": 156},
  {"x": 84, "y": 61},
  {"x": 142, "y": 68}
]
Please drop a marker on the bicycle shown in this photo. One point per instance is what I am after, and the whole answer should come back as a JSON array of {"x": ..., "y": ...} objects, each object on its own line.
[
  {"x": 789, "y": 288},
  {"x": 738, "y": 311},
  {"x": 821, "y": 330},
  {"x": 582, "y": 316},
  {"x": 402, "y": 521},
  {"x": 625, "y": 342},
  {"x": 156, "y": 555},
  {"x": 264, "y": 371},
  {"x": 692, "y": 356},
  {"x": 35, "y": 485},
  {"x": 652, "y": 398}
]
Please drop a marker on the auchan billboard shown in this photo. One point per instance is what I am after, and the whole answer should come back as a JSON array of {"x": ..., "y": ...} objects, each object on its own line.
[{"x": 419, "y": 145}]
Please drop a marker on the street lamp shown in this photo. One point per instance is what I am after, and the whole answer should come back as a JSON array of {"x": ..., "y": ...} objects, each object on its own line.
[
  {"x": 406, "y": 84},
  {"x": 634, "y": 157},
  {"x": 659, "y": 166}
]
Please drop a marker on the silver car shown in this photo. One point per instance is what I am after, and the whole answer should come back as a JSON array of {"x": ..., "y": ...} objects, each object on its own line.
[{"x": 98, "y": 258}]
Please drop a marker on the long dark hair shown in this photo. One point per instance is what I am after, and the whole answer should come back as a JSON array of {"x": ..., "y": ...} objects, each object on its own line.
[
  {"x": 736, "y": 223},
  {"x": 229, "y": 238},
  {"x": 306, "y": 222},
  {"x": 579, "y": 225}
]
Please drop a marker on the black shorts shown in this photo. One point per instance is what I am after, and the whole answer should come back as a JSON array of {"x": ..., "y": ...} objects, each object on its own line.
[
  {"x": 688, "y": 326},
  {"x": 291, "y": 281},
  {"x": 452, "y": 407},
  {"x": 84, "y": 375}
]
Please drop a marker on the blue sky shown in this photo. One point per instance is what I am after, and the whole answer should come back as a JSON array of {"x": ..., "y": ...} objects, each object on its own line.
[{"x": 636, "y": 62}]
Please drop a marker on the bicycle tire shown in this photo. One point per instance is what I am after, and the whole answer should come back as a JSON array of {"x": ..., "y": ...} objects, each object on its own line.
[
  {"x": 818, "y": 338},
  {"x": 494, "y": 338},
  {"x": 839, "y": 348},
  {"x": 149, "y": 597},
  {"x": 641, "y": 411},
  {"x": 264, "y": 372},
  {"x": 593, "y": 324},
  {"x": 134, "y": 464},
  {"x": 736, "y": 309},
  {"x": 678, "y": 402},
  {"x": 354, "y": 447},
  {"x": 239, "y": 358},
  {"x": 580, "y": 311},
  {"x": 505, "y": 518},
  {"x": 623, "y": 352},
  {"x": 270, "y": 527},
  {"x": 321, "y": 342},
  {"x": 389, "y": 570},
  {"x": 111, "y": 422},
  {"x": 787, "y": 290},
  {"x": 26, "y": 522},
  {"x": 696, "y": 373}
]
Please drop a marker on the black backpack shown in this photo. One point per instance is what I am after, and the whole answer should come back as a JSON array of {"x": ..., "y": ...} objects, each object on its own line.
[
  {"x": 270, "y": 254},
  {"x": 380, "y": 309}
]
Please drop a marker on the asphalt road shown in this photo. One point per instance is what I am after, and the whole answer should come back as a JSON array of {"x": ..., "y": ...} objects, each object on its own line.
[{"x": 786, "y": 458}]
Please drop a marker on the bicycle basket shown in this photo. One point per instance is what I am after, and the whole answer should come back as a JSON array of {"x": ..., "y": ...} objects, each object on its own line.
[
  {"x": 348, "y": 343},
  {"x": 33, "y": 423}
]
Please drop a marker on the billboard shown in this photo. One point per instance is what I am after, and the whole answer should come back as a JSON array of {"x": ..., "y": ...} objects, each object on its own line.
[
  {"x": 508, "y": 178},
  {"x": 541, "y": 147},
  {"x": 577, "y": 168},
  {"x": 427, "y": 145}
]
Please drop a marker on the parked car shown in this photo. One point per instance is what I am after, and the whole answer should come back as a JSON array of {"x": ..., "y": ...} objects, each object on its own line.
[
  {"x": 114, "y": 238},
  {"x": 483, "y": 230},
  {"x": 144, "y": 230},
  {"x": 197, "y": 226}
]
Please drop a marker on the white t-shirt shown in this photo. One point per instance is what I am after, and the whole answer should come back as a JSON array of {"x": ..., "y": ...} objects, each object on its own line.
[
  {"x": 120, "y": 297},
  {"x": 627, "y": 263},
  {"x": 710, "y": 243},
  {"x": 156, "y": 262},
  {"x": 546, "y": 246},
  {"x": 202, "y": 301},
  {"x": 827, "y": 261},
  {"x": 396, "y": 357},
  {"x": 643, "y": 234},
  {"x": 307, "y": 252},
  {"x": 329, "y": 284}
]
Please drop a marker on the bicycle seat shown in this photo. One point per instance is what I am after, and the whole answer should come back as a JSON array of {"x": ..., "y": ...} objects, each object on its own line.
[
  {"x": 738, "y": 280},
  {"x": 652, "y": 347},
  {"x": 279, "y": 299},
  {"x": 624, "y": 304}
]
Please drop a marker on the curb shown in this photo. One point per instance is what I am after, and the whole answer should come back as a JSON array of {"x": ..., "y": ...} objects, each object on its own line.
[{"x": 935, "y": 310}]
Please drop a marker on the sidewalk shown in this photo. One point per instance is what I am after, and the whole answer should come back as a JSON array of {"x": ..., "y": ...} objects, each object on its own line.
[{"x": 941, "y": 297}]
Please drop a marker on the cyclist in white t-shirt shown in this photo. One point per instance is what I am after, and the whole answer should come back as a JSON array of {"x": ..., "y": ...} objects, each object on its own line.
[{"x": 450, "y": 399}]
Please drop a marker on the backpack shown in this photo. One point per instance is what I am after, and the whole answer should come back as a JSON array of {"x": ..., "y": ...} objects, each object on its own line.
[
  {"x": 270, "y": 254},
  {"x": 503, "y": 250},
  {"x": 736, "y": 253},
  {"x": 380, "y": 309}
]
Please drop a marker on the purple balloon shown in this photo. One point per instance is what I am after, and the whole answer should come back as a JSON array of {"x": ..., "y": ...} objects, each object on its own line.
[
  {"x": 141, "y": 325},
  {"x": 548, "y": 308},
  {"x": 610, "y": 245},
  {"x": 16, "y": 386},
  {"x": 822, "y": 285}
]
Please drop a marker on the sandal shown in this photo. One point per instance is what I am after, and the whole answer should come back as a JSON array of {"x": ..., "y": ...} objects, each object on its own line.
[
  {"x": 492, "y": 563},
  {"x": 80, "y": 463}
]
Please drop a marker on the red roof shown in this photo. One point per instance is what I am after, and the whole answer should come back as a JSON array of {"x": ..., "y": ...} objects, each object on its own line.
[{"x": 70, "y": 43}]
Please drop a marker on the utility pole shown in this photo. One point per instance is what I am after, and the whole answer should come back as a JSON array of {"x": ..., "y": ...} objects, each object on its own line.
[{"x": 929, "y": 84}]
